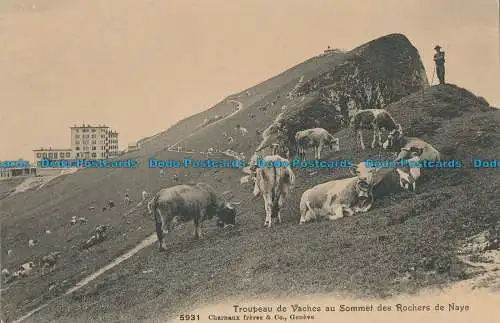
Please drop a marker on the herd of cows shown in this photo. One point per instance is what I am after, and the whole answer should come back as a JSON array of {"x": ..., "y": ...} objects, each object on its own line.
[{"x": 333, "y": 199}]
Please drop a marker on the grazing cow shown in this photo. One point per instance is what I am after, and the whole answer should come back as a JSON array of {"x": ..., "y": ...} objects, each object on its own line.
[
  {"x": 224, "y": 134},
  {"x": 10, "y": 253},
  {"x": 73, "y": 218},
  {"x": 409, "y": 174},
  {"x": 230, "y": 139},
  {"x": 31, "y": 243},
  {"x": 375, "y": 119},
  {"x": 185, "y": 202},
  {"x": 91, "y": 208},
  {"x": 98, "y": 236},
  {"x": 274, "y": 183},
  {"x": 48, "y": 232},
  {"x": 111, "y": 204},
  {"x": 82, "y": 220},
  {"x": 316, "y": 138},
  {"x": 49, "y": 262},
  {"x": 408, "y": 146},
  {"x": 334, "y": 198},
  {"x": 210, "y": 150}
]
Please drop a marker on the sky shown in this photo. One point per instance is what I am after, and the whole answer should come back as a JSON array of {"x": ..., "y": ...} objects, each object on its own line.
[{"x": 140, "y": 66}]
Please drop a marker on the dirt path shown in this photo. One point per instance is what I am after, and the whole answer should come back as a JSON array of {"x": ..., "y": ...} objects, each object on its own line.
[{"x": 238, "y": 109}]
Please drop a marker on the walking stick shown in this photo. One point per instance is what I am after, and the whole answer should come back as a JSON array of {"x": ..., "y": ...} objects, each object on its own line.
[{"x": 433, "y": 72}]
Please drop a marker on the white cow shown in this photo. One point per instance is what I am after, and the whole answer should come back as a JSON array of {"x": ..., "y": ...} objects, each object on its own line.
[
  {"x": 274, "y": 183},
  {"x": 334, "y": 198},
  {"x": 315, "y": 138}
]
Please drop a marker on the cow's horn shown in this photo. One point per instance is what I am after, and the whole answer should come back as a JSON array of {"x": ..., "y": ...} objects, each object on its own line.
[
  {"x": 226, "y": 192},
  {"x": 236, "y": 203}
]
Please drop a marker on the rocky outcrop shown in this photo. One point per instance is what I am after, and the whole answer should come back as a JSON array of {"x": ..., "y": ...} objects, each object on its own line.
[{"x": 373, "y": 75}]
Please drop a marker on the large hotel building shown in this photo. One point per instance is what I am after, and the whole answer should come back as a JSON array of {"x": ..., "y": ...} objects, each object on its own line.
[{"x": 87, "y": 142}]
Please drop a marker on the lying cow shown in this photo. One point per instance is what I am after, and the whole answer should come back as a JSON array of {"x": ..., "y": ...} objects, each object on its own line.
[
  {"x": 197, "y": 203},
  {"x": 274, "y": 183},
  {"x": 315, "y": 138},
  {"x": 334, "y": 198},
  {"x": 405, "y": 146},
  {"x": 25, "y": 269},
  {"x": 49, "y": 262}
]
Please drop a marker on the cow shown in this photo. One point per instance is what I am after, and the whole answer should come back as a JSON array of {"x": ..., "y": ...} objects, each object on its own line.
[
  {"x": 144, "y": 195},
  {"x": 243, "y": 131},
  {"x": 409, "y": 174},
  {"x": 31, "y": 243},
  {"x": 406, "y": 146},
  {"x": 25, "y": 269},
  {"x": 230, "y": 139},
  {"x": 274, "y": 183},
  {"x": 316, "y": 138},
  {"x": 49, "y": 262},
  {"x": 73, "y": 220},
  {"x": 82, "y": 220},
  {"x": 189, "y": 202},
  {"x": 335, "y": 198},
  {"x": 375, "y": 119},
  {"x": 6, "y": 275},
  {"x": 10, "y": 253}
]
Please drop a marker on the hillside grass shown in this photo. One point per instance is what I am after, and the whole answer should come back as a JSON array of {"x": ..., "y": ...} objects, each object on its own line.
[
  {"x": 26, "y": 216},
  {"x": 406, "y": 234}
]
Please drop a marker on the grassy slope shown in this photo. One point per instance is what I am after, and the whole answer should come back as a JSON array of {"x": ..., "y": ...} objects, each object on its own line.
[
  {"x": 405, "y": 233},
  {"x": 29, "y": 214}
]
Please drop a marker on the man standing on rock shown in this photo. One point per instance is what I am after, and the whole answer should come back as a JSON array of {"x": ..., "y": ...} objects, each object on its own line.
[{"x": 439, "y": 59}]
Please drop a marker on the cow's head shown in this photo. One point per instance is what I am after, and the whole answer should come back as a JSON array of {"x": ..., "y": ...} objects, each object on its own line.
[
  {"x": 408, "y": 153},
  {"x": 226, "y": 214},
  {"x": 365, "y": 180},
  {"x": 334, "y": 144},
  {"x": 394, "y": 138}
]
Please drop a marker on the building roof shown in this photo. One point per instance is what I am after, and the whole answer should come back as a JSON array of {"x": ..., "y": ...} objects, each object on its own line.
[{"x": 52, "y": 149}]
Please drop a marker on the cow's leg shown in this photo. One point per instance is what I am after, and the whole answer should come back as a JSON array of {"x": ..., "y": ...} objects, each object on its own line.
[
  {"x": 361, "y": 141},
  {"x": 319, "y": 151},
  {"x": 380, "y": 143},
  {"x": 338, "y": 212},
  {"x": 375, "y": 135},
  {"x": 281, "y": 202},
  {"x": 160, "y": 227},
  {"x": 268, "y": 206},
  {"x": 199, "y": 225}
]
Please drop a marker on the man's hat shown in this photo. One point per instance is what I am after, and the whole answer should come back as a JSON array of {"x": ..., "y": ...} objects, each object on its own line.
[{"x": 437, "y": 47}]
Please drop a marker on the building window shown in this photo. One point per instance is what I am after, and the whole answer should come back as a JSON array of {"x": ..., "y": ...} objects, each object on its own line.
[
  {"x": 93, "y": 130},
  {"x": 77, "y": 154},
  {"x": 93, "y": 148},
  {"x": 77, "y": 130},
  {"x": 93, "y": 136},
  {"x": 61, "y": 155},
  {"x": 44, "y": 155},
  {"x": 94, "y": 155},
  {"x": 77, "y": 142},
  {"x": 38, "y": 155},
  {"x": 68, "y": 155},
  {"x": 93, "y": 142},
  {"x": 77, "y": 136},
  {"x": 77, "y": 148}
]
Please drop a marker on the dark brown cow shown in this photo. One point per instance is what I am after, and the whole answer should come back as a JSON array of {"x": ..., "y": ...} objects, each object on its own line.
[
  {"x": 375, "y": 119},
  {"x": 183, "y": 203}
]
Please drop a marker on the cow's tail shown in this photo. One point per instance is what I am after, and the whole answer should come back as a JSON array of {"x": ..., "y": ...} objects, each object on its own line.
[
  {"x": 153, "y": 206},
  {"x": 276, "y": 192}
]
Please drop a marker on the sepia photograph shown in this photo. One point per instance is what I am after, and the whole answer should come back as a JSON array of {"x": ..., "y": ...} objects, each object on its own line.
[{"x": 249, "y": 160}]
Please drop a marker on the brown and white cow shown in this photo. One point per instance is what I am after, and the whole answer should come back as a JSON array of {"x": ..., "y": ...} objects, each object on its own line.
[
  {"x": 316, "y": 138},
  {"x": 274, "y": 179},
  {"x": 373, "y": 119},
  {"x": 183, "y": 203},
  {"x": 335, "y": 198}
]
